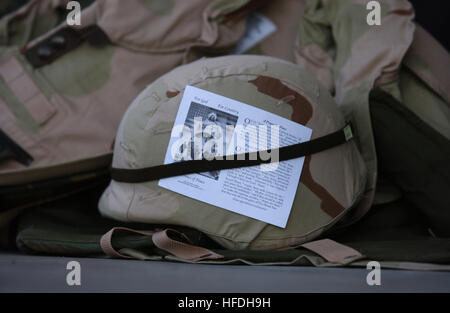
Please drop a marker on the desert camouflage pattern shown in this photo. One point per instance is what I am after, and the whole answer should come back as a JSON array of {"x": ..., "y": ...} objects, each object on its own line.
[
  {"x": 350, "y": 58},
  {"x": 397, "y": 61},
  {"x": 17, "y": 28},
  {"x": 65, "y": 113},
  {"x": 423, "y": 78},
  {"x": 331, "y": 183},
  {"x": 108, "y": 74},
  {"x": 286, "y": 15},
  {"x": 420, "y": 83}
]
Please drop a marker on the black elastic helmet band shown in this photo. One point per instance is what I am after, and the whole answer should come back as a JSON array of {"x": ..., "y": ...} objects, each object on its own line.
[{"x": 299, "y": 150}]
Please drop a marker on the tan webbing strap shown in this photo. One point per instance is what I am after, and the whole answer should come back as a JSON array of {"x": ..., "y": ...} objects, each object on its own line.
[
  {"x": 106, "y": 241},
  {"x": 162, "y": 241},
  {"x": 333, "y": 252},
  {"x": 182, "y": 250}
]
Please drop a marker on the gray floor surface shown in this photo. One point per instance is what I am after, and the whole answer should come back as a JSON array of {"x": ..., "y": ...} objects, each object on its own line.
[{"x": 23, "y": 273}]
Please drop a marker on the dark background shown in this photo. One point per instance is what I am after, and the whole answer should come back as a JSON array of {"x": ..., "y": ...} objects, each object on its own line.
[{"x": 434, "y": 16}]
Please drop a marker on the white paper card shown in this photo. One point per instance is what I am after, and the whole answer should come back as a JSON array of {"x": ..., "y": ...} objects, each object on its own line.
[
  {"x": 258, "y": 28},
  {"x": 257, "y": 191}
]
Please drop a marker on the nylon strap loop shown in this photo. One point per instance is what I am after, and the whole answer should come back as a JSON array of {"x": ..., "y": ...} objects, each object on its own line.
[
  {"x": 333, "y": 252},
  {"x": 162, "y": 241},
  {"x": 106, "y": 241},
  {"x": 180, "y": 249}
]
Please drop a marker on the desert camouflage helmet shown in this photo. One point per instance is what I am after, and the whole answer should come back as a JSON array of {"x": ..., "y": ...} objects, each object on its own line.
[{"x": 331, "y": 183}]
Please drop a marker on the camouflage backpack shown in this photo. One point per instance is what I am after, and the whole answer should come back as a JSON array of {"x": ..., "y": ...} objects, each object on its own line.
[
  {"x": 64, "y": 89},
  {"x": 393, "y": 79}
]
